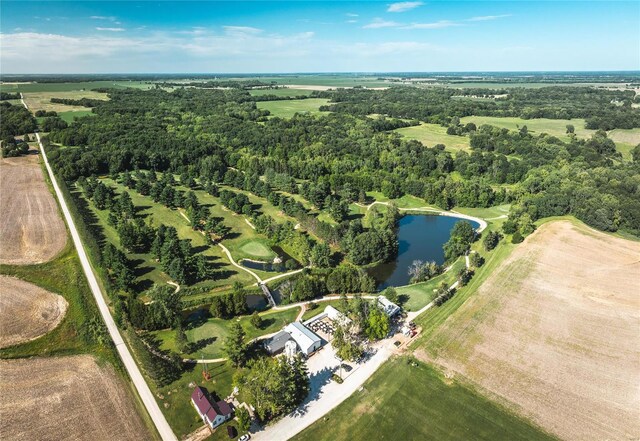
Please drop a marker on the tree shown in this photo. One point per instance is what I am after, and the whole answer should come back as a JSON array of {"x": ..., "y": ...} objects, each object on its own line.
[
  {"x": 391, "y": 294},
  {"x": 377, "y": 324},
  {"x": 321, "y": 255},
  {"x": 234, "y": 345},
  {"x": 244, "y": 419},
  {"x": 570, "y": 129},
  {"x": 464, "y": 276},
  {"x": 256, "y": 320},
  {"x": 461, "y": 237},
  {"x": 517, "y": 237},
  {"x": 491, "y": 240},
  {"x": 476, "y": 260},
  {"x": 182, "y": 343}
]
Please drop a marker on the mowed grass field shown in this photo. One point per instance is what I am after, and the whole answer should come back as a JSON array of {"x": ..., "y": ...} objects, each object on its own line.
[
  {"x": 432, "y": 134},
  {"x": 551, "y": 329},
  {"x": 408, "y": 400},
  {"x": 288, "y": 108}
]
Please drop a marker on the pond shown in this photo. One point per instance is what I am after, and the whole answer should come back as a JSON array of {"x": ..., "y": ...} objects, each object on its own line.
[{"x": 420, "y": 237}]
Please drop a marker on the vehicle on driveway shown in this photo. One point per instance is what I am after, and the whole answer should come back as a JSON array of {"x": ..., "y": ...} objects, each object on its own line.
[{"x": 245, "y": 437}]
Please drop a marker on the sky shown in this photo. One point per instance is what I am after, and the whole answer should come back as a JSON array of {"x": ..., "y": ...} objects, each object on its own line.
[{"x": 314, "y": 36}]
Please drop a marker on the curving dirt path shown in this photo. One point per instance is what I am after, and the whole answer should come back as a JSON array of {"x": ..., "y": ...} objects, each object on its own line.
[{"x": 27, "y": 311}]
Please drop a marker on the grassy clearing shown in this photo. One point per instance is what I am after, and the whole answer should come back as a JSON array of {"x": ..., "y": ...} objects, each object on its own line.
[
  {"x": 280, "y": 92},
  {"x": 288, "y": 108},
  {"x": 625, "y": 139},
  {"x": 407, "y": 399},
  {"x": 208, "y": 337},
  {"x": 432, "y": 134},
  {"x": 69, "y": 116}
]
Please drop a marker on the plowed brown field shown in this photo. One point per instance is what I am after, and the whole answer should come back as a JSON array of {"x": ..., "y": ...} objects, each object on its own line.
[
  {"x": 554, "y": 333},
  {"x": 27, "y": 311},
  {"x": 31, "y": 230}
]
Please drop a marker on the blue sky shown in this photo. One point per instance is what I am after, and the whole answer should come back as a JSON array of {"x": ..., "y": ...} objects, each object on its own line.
[{"x": 300, "y": 36}]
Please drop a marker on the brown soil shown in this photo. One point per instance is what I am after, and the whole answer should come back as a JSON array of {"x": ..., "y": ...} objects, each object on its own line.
[
  {"x": 27, "y": 311},
  {"x": 554, "y": 333},
  {"x": 31, "y": 230},
  {"x": 66, "y": 398}
]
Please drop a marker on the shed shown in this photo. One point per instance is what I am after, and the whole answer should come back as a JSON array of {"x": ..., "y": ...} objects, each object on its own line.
[{"x": 276, "y": 344}]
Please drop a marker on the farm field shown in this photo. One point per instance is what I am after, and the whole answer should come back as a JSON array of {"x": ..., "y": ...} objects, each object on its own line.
[
  {"x": 27, "y": 311},
  {"x": 32, "y": 230},
  {"x": 42, "y": 100},
  {"x": 69, "y": 116},
  {"x": 407, "y": 399},
  {"x": 31, "y": 87},
  {"x": 539, "y": 333},
  {"x": 288, "y": 108},
  {"x": 69, "y": 398},
  {"x": 432, "y": 134}
]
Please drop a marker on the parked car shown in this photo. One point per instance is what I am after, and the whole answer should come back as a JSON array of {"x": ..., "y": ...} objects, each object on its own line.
[
  {"x": 346, "y": 367},
  {"x": 245, "y": 437}
]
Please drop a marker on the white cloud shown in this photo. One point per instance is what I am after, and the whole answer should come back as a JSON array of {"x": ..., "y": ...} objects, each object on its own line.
[
  {"x": 352, "y": 21},
  {"x": 403, "y": 6},
  {"x": 378, "y": 23},
  {"x": 488, "y": 17},
  {"x": 103, "y": 17},
  {"x": 241, "y": 31},
  {"x": 110, "y": 29},
  {"x": 435, "y": 25},
  {"x": 351, "y": 14}
]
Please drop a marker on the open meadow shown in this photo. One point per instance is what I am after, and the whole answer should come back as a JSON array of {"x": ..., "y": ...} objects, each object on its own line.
[
  {"x": 42, "y": 100},
  {"x": 407, "y": 399},
  {"x": 27, "y": 311},
  {"x": 66, "y": 398},
  {"x": 288, "y": 108},
  {"x": 32, "y": 230},
  {"x": 432, "y": 134},
  {"x": 553, "y": 333}
]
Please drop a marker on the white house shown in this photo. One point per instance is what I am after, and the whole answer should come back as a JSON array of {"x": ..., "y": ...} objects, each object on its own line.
[
  {"x": 387, "y": 306},
  {"x": 213, "y": 414},
  {"x": 307, "y": 341}
]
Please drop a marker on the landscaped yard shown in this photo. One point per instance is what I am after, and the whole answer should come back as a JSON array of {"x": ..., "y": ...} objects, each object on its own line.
[
  {"x": 407, "y": 399},
  {"x": 208, "y": 337}
]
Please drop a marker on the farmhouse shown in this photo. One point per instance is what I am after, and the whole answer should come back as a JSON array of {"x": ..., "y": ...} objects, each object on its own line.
[
  {"x": 307, "y": 341},
  {"x": 213, "y": 414},
  {"x": 387, "y": 306}
]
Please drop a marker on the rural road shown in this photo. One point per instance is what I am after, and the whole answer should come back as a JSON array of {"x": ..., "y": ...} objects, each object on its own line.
[{"x": 132, "y": 368}]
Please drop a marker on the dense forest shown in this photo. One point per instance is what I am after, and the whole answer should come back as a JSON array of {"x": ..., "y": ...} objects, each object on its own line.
[{"x": 221, "y": 136}]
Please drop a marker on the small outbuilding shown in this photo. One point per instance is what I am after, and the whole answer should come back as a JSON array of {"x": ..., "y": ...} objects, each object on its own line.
[
  {"x": 307, "y": 340},
  {"x": 276, "y": 344},
  {"x": 212, "y": 413},
  {"x": 336, "y": 316}
]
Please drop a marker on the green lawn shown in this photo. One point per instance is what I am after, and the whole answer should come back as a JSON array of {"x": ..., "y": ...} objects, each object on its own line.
[
  {"x": 407, "y": 399},
  {"x": 258, "y": 249},
  {"x": 432, "y": 134},
  {"x": 175, "y": 399},
  {"x": 288, "y": 108},
  {"x": 208, "y": 337},
  {"x": 320, "y": 309},
  {"x": 421, "y": 294},
  {"x": 66, "y": 87}
]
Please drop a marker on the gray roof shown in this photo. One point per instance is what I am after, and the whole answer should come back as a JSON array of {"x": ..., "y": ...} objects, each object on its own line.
[
  {"x": 304, "y": 337},
  {"x": 276, "y": 343}
]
